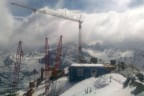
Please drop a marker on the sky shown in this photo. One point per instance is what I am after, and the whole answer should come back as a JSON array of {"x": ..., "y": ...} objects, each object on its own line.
[
  {"x": 88, "y": 6},
  {"x": 116, "y": 23}
]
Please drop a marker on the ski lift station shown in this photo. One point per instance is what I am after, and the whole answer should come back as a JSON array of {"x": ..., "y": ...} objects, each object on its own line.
[{"x": 78, "y": 72}]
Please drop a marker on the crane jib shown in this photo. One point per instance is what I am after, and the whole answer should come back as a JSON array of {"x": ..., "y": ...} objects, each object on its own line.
[{"x": 47, "y": 12}]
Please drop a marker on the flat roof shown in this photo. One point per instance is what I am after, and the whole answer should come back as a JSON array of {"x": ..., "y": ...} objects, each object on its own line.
[{"x": 87, "y": 65}]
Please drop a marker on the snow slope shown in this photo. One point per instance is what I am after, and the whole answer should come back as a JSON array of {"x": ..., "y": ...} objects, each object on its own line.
[
  {"x": 107, "y": 85},
  {"x": 57, "y": 87}
]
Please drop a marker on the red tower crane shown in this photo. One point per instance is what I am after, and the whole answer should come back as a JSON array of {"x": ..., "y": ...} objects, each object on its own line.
[
  {"x": 47, "y": 67},
  {"x": 58, "y": 54},
  {"x": 46, "y": 55},
  {"x": 17, "y": 65},
  {"x": 56, "y": 71}
]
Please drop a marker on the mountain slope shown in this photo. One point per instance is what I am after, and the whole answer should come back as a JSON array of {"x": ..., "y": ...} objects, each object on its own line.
[{"x": 107, "y": 85}]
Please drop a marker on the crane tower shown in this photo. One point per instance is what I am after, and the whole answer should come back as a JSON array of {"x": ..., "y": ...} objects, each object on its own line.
[
  {"x": 17, "y": 66},
  {"x": 47, "y": 66},
  {"x": 58, "y": 54}
]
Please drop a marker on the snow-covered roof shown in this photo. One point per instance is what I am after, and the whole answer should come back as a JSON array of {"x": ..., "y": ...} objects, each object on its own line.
[{"x": 87, "y": 65}]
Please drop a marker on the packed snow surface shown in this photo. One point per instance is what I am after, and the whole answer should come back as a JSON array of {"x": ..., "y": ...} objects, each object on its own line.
[
  {"x": 107, "y": 85},
  {"x": 57, "y": 87}
]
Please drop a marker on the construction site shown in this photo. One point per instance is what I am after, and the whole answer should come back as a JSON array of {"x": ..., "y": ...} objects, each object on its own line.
[
  {"x": 59, "y": 67},
  {"x": 49, "y": 73}
]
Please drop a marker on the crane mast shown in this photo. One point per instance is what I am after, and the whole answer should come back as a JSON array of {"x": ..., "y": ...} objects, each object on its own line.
[
  {"x": 80, "y": 43},
  {"x": 55, "y": 14},
  {"x": 58, "y": 54},
  {"x": 46, "y": 54},
  {"x": 17, "y": 66},
  {"x": 47, "y": 66}
]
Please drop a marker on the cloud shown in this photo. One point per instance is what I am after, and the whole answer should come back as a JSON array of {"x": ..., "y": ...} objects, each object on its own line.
[
  {"x": 109, "y": 54},
  {"x": 115, "y": 29},
  {"x": 136, "y": 3},
  {"x": 6, "y": 22},
  {"x": 112, "y": 28},
  {"x": 34, "y": 28}
]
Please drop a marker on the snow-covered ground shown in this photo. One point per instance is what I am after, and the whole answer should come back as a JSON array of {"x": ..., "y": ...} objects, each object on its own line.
[
  {"x": 107, "y": 85},
  {"x": 57, "y": 87}
]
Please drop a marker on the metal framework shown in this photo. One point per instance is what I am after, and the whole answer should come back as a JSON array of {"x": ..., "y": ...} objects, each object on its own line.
[
  {"x": 58, "y": 54},
  {"x": 46, "y": 54},
  {"x": 47, "y": 67},
  {"x": 17, "y": 65}
]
